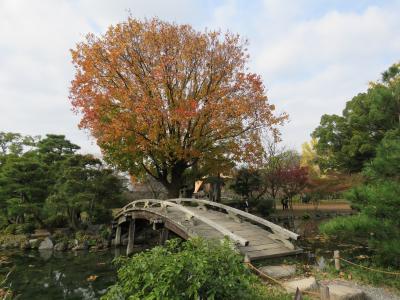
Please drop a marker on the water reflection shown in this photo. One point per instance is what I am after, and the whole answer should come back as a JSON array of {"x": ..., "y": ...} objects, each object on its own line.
[{"x": 56, "y": 275}]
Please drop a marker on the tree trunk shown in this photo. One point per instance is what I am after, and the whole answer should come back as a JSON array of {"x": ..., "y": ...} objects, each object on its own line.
[
  {"x": 173, "y": 191},
  {"x": 176, "y": 183},
  {"x": 73, "y": 218}
]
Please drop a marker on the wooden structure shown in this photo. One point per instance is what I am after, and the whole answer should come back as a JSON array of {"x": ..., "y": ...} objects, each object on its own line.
[{"x": 254, "y": 237}]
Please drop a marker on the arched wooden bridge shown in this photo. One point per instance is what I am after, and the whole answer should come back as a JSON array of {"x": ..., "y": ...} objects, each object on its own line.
[{"x": 253, "y": 236}]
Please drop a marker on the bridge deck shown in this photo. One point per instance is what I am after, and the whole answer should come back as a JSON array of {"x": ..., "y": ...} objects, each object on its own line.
[
  {"x": 261, "y": 242},
  {"x": 261, "y": 245}
]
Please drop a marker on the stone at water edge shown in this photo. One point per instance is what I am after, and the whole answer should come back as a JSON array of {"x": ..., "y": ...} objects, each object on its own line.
[
  {"x": 279, "y": 271},
  {"x": 46, "y": 244},
  {"x": 321, "y": 264},
  {"x": 61, "y": 246},
  {"x": 342, "y": 292},
  {"x": 34, "y": 243},
  {"x": 303, "y": 284},
  {"x": 81, "y": 246}
]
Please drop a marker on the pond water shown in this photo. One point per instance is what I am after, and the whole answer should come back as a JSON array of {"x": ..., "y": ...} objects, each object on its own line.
[
  {"x": 56, "y": 275},
  {"x": 86, "y": 275},
  {"x": 315, "y": 245}
]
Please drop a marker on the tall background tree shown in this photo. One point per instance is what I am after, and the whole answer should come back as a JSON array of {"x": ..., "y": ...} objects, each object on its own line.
[
  {"x": 161, "y": 98},
  {"x": 367, "y": 137},
  {"x": 347, "y": 142}
]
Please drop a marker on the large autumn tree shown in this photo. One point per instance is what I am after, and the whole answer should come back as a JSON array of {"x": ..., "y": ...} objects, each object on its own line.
[{"x": 161, "y": 98}]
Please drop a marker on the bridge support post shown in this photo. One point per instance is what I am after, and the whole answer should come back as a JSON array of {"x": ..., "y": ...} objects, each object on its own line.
[
  {"x": 164, "y": 235},
  {"x": 117, "y": 241},
  {"x": 131, "y": 237}
]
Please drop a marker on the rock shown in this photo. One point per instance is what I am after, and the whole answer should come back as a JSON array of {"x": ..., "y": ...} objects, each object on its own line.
[
  {"x": 25, "y": 245},
  {"x": 321, "y": 264},
  {"x": 342, "y": 292},
  {"x": 46, "y": 244},
  {"x": 279, "y": 271},
  {"x": 40, "y": 233},
  {"x": 304, "y": 284},
  {"x": 34, "y": 243},
  {"x": 81, "y": 246},
  {"x": 61, "y": 246}
]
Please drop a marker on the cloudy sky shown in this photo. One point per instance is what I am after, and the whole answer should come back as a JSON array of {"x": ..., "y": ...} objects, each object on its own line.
[{"x": 313, "y": 55}]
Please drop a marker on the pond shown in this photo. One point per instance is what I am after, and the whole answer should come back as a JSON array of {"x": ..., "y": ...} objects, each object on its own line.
[
  {"x": 86, "y": 275},
  {"x": 315, "y": 245},
  {"x": 60, "y": 275}
]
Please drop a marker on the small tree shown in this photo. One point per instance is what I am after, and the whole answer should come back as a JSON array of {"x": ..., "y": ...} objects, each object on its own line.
[
  {"x": 293, "y": 181},
  {"x": 248, "y": 183}
]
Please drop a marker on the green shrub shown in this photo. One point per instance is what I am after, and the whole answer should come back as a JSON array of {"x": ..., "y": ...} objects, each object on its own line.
[
  {"x": 387, "y": 251},
  {"x": 11, "y": 229},
  {"x": 265, "y": 206},
  {"x": 25, "y": 228},
  {"x": 3, "y": 222},
  {"x": 105, "y": 232},
  {"x": 378, "y": 201},
  {"x": 82, "y": 236},
  {"x": 196, "y": 269},
  {"x": 358, "y": 226},
  {"x": 101, "y": 215},
  {"x": 57, "y": 221}
]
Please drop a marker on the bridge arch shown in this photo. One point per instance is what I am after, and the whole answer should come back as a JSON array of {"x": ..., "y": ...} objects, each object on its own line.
[{"x": 252, "y": 235}]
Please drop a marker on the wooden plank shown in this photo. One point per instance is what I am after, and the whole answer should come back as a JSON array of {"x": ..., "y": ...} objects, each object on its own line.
[
  {"x": 209, "y": 234},
  {"x": 249, "y": 232},
  {"x": 261, "y": 242},
  {"x": 254, "y": 237},
  {"x": 274, "y": 227},
  {"x": 261, "y": 247},
  {"x": 272, "y": 253}
]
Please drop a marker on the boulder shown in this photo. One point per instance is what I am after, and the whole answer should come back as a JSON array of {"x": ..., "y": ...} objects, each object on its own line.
[
  {"x": 342, "y": 292},
  {"x": 303, "y": 284},
  {"x": 61, "y": 246},
  {"x": 46, "y": 244},
  {"x": 34, "y": 243},
  {"x": 81, "y": 246},
  {"x": 279, "y": 271}
]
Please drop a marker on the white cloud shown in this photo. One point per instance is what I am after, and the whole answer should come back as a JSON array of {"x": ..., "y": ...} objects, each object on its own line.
[
  {"x": 319, "y": 64},
  {"x": 35, "y": 63},
  {"x": 311, "y": 62}
]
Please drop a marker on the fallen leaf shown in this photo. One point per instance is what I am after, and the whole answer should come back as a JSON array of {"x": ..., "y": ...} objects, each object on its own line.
[{"x": 92, "y": 278}]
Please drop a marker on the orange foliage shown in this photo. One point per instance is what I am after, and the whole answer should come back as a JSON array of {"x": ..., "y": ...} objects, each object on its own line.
[{"x": 161, "y": 97}]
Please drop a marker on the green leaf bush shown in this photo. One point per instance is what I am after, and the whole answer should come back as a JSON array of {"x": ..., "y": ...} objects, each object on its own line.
[{"x": 196, "y": 269}]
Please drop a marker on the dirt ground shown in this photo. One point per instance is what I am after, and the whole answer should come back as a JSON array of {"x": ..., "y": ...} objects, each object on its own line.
[{"x": 323, "y": 207}]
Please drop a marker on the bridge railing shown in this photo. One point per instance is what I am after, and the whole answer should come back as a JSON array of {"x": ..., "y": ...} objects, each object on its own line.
[
  {"x": 149, "y": 203},
  {"x": 237, "y": 212},
  {"x": 276, "y": 229}
]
